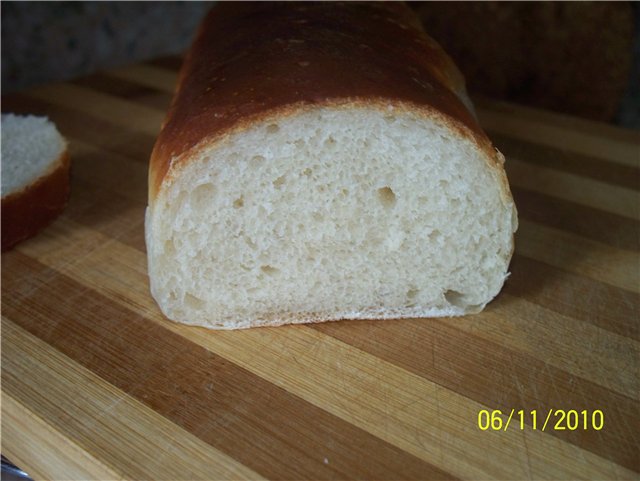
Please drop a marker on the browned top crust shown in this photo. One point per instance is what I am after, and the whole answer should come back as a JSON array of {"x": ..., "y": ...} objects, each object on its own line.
[{"x": 251, "y": 59}]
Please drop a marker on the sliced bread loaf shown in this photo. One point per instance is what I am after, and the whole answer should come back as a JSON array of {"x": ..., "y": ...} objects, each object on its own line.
[
  {"x": 35, "y": 176},
  {"x": 321, "y": 161}
]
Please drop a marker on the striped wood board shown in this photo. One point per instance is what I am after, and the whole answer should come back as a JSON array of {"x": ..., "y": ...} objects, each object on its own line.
[{"x": 97, "y": 384}]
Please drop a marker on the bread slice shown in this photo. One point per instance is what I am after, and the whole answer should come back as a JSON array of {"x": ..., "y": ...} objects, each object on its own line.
[
  {"x": 309, "y": 170},
  {"x": 35, "y": 176}
]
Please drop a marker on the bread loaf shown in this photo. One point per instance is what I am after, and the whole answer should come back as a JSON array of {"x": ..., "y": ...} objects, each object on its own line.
[
  {"x": 321, "y": 161},
  {"x": 35, "y": 176}
]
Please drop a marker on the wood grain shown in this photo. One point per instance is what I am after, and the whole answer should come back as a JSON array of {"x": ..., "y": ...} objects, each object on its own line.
[
  {"x": 592, "y": 139},
  {"x": 48, "y": 453},
  {"x": 97, "y": 384},
  {"x": 103, "y": 416}
]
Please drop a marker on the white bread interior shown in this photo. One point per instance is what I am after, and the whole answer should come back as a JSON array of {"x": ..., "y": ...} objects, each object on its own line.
[
  {"x": 330, "y": 213},
  {"x": 32, "y": 147}
]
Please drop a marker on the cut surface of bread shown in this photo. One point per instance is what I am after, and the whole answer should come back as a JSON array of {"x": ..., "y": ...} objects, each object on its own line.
[
  {"x": 35, "y": 176},
  {"x": 345, "y": 212},
  {"x": 331, "y": 207}
]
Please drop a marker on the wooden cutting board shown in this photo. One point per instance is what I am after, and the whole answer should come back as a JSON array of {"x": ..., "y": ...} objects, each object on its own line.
[{"x": 97, "y": 384}]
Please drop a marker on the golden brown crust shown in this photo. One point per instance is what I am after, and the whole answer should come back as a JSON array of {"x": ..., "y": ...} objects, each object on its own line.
[
  {"x": 251, "y": 60},
  {"x": 26, "y": 212}
]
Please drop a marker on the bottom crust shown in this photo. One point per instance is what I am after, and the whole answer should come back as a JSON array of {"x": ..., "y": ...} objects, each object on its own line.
[{"x": 304, "y": 318}]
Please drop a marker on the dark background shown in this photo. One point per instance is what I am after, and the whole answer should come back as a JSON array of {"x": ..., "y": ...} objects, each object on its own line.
[{"x": 579, "y": 58}]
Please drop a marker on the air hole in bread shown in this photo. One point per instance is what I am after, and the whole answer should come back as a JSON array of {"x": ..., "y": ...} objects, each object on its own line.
[
  {"x": 269, "y": 270},
  {"x": 169, "y": 248},
  {"x": 201, "y": 196},
  {"x": 387, "y": 197},
  {"x": 456, "y": 298},
  {"x": 250, "y": 242},
  {"x": 330, "y": 142},
  {"x": 239, "y": 202},
  {"x": 279, "y": 181},
  {"x": 273, "y": 128},
  {"x": 412, "y": 294},
  {"x": 307, "y": 172},
  {"x": 193, "y": 302},
  {"x": 390, "y": 119}
]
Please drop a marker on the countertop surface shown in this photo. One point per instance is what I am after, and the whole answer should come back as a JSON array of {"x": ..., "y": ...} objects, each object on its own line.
[{"x": 97, "y": 384}]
